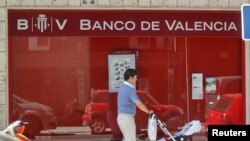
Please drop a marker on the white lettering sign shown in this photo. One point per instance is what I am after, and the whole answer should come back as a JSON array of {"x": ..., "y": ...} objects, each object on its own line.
[
  {"x": 154, "y": 25},
  {"x": 86, "y": 24},
  {"x": 22, "y": 24},
  {"x": 200, "y": 26},
  {"x": 61, "y": 26},
  {"x": 43, "y": 23}
]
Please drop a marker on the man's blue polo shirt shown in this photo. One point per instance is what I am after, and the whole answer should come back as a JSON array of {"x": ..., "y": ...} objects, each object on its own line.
[{"x": 126, "y": 99}]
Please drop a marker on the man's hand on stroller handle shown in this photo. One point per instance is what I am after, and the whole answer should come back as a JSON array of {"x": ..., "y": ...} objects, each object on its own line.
[{"x": 151, "y": 113}]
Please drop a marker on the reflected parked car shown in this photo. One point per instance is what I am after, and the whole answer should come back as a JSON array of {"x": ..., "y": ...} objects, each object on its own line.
[
  {"x": 227, "y": 110},
  {"x": 222, "y": 85},
  {"x": 96, "y": 110},
  {"x": 39, "y": 116}
]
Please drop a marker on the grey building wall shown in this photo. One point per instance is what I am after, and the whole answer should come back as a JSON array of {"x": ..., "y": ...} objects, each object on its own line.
[{"x": 95, "y": 4}]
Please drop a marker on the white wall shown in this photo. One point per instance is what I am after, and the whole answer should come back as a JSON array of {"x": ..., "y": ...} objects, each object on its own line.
[{"x": 96, "y": 4}]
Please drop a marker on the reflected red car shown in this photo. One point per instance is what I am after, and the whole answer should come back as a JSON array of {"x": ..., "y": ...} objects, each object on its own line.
[
  {"x": 96, "y": 110},
  {"x": 39, "y": 116},
  {"x": 227, "y": 110}
]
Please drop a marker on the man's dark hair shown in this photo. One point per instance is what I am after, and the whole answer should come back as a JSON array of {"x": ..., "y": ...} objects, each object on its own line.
[{"x": 129, "y": 73}]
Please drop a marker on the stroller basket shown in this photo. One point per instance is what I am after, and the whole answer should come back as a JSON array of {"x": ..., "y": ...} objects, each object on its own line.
[{"x": 183, "y": 135}]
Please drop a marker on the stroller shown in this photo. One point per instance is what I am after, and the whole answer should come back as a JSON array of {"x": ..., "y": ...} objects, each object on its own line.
[{"x": 183, "y": 135}]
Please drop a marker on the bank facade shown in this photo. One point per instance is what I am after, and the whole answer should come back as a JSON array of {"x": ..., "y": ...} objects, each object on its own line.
[{"x": 58, "y": 52}]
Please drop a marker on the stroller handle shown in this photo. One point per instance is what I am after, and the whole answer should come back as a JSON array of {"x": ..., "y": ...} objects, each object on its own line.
[{"x": 162, "y": 125}]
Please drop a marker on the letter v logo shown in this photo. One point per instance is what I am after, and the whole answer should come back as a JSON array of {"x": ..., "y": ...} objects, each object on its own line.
[{"x": 61, "y": 25}]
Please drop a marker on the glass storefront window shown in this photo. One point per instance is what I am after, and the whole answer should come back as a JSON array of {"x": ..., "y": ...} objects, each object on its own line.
[{"x": 60, "y": 78}]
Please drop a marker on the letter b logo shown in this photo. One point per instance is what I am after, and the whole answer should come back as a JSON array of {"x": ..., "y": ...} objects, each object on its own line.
[{"x": 22, "y": 24}]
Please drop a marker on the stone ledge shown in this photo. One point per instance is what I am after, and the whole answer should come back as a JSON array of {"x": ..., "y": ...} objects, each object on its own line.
[
  {"x": 28, "y": 2},
  {"x": 182, "y": 3},
  {"x": 3, "y": 61},
  {"x": 3, "y": 30},
  {"x": 14, "y": 2},
  {"x": 3, "y": 117},
  {"x": 43, "y": 2},
  {"x": 2, "y": 85},
  {"x": 2, "y": 3},
  {"x": 3, "y": 14},
  {"x": 126, "y": 4},
  {"x": 223, "y": 3},
  {"x": 198, "y": 3},
  {"x": 170, "y": 3},
  {"x": 2, "y": 45}
]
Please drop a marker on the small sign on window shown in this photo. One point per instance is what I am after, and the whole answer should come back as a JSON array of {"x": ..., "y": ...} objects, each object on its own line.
[{"x": 117, "y": 65}]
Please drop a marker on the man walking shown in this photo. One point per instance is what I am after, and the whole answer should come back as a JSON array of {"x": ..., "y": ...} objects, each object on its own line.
[{"x": 127, "y": 101}]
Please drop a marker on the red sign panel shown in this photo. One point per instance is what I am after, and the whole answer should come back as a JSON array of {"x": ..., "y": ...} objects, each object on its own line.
[{"x": 123, "y": 23}]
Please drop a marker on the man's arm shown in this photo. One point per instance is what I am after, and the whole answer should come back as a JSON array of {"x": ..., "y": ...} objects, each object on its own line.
[{"x": 141, "y": 106}]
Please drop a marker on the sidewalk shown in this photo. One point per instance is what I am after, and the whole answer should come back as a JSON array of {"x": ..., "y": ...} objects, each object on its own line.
[
  {"x": 73, "y": 134},
  {"x": 83, "y": 133},
  {"x": 68, "y": 130}
]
